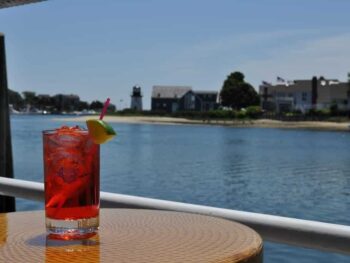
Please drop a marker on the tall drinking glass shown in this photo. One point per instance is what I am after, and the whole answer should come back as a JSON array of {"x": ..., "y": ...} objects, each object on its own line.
[{"x": 72, "y": 183}]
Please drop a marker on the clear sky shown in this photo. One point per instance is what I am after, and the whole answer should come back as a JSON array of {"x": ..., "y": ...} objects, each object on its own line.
[{"x": 102, "y": 48}]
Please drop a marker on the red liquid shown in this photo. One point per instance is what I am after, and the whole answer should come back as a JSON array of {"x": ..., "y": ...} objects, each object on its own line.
[{"x": 71, "y": 166}]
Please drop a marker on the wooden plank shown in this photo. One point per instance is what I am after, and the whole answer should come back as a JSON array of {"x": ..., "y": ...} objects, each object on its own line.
[{"x": 7, "y": 204}]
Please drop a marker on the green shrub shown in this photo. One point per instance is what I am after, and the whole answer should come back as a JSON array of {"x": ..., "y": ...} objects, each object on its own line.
[
  {"x": 221, "y": 114},
  {"x": 318, "y": 113},
  {"x": 242, "y": 114},
  {"x": 253, "y": 112}
]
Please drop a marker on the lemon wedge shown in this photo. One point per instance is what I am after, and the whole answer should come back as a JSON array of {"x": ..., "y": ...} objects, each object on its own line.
[{"x": 100, "y": 131}]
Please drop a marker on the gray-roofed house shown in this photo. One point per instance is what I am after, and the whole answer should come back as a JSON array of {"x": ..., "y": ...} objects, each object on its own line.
[
  {"x": 208, "y": 100},
  {"x": 172, "y": 98},
  {"x": 182, "y": 98}
]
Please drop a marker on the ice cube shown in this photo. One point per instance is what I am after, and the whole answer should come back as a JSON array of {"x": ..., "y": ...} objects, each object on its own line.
[
  {"x": 69, "y": 165},
  {"x": 68, "y": 140}
]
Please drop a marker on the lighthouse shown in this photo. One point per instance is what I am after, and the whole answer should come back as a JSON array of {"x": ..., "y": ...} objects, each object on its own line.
[{"x": 136, "y": 98}]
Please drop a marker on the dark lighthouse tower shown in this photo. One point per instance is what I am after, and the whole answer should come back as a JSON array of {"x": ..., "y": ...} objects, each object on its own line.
[{"x": 136, "y": 98}]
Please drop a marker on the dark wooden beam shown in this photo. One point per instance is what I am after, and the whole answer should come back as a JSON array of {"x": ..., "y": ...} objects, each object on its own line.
[{"x": 7, "y": 204}]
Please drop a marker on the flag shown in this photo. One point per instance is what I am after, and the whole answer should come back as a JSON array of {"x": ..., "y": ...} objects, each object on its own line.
[
  {"x": 279, "y": 79},
  {"x": 266, "y": 83}
]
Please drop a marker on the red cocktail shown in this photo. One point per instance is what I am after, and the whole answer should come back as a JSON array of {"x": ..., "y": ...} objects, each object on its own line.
[{"x": 72, "y": 183}]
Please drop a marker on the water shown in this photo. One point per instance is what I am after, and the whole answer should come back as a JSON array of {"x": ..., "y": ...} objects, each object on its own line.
[{"x": 295, "y": 173}]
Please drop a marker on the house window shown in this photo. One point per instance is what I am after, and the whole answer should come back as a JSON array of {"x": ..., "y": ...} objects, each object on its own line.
[
  {"x": 193, "y": 102},
  {"x": 304, "y": 96}
]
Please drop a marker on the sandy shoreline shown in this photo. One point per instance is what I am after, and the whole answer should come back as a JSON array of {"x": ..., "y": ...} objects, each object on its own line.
[{"x": 262, "y": 123}]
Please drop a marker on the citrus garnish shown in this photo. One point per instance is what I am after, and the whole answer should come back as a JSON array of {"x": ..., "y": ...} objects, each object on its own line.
[{"x": 100, "y": 131}]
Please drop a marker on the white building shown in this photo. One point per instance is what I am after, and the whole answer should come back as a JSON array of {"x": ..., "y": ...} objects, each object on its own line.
[{"x": 304, "y": 95}]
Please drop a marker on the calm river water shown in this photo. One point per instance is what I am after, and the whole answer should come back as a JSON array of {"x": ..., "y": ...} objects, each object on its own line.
[{"x": 295, "y": 173}]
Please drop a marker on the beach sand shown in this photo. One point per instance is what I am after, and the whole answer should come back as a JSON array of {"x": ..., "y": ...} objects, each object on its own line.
[{"x": 261, "y": 123}]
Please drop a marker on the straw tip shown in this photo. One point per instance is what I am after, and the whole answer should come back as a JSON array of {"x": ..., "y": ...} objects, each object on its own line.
[{"x": 104, "y": 110}]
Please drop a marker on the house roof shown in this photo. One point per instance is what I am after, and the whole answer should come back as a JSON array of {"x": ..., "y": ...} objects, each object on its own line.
[
  {"x": 10, "y": 3},
  {"x": 205, "y": 92},
  {"x": 170, "y": 92}
]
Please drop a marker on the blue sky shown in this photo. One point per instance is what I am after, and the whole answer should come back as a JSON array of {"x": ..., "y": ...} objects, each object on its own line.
[{"x": 99, "y": 49}]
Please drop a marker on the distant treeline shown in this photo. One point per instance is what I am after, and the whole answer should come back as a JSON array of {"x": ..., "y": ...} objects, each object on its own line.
[
  {"x": 58, "y": 103},
  {"x": 251, "y": 112}
]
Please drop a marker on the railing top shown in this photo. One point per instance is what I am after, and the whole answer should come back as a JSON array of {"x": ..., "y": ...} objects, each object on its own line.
[{"x": 298, "y": 232}]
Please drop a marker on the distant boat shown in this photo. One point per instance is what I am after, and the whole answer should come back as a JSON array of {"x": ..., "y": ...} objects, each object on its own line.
[
  {"x": 88, "y": 112},
  {"x": 79, "y": 113},
  {"x": 12, "y": 110},
  {"x": 32, "y": 110}
]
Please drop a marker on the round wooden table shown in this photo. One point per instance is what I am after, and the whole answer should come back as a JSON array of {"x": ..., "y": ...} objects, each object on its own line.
[{"x": 132, "y": 235}]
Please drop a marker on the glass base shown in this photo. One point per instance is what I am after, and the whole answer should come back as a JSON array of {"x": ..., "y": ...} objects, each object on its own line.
[{"x": 72, "y": 229}]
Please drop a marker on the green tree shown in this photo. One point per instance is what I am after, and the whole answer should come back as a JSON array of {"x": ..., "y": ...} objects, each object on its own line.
[
  {"x": 83, "y": 105},
  {"x": 29, "y": 97},
  {"x": 43, "y": 102},
  {"x": 111, "y": 108},
  {"x": 236, "y": 93},
  {"x": 15, "y": 99},
  {"x": 96, "y": 105}
]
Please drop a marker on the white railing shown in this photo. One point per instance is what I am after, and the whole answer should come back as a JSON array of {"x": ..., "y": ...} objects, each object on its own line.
[{"x": 304, "y": 233}]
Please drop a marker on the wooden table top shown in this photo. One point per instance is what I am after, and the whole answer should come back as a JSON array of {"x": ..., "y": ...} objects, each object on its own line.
[{"x": 132, "y": 235}]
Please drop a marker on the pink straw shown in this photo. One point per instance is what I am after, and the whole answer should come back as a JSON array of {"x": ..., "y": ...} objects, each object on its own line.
[{"x": 104, "y": 110}]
